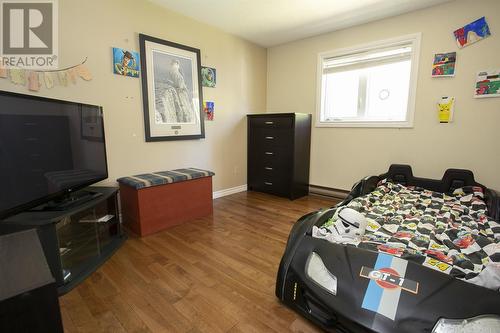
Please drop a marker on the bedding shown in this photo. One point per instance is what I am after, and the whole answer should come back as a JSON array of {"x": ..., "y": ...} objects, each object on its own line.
[{"x": 448, "y": 232}]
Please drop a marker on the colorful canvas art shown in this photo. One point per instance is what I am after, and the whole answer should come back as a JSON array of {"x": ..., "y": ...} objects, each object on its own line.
[
  {"x": 472, "y": 32},
  {"x": 209, "y": 108},
  {"x": 208, "y": 77},
  {"x": 445, "y": 109},
  {"x": 487, "y": 84},
  {"x": 125, "y": 62},
  {"x": 444, "y": 64}
]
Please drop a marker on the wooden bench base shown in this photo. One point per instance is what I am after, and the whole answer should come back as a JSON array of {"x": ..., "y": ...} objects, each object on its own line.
[{"x": 151, "y": 209}]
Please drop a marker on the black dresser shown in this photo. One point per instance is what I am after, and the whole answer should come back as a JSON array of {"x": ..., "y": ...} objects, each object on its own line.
[{"x": 279, "y": 153}]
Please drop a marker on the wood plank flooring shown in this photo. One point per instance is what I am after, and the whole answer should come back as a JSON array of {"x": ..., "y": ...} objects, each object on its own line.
[{"x": 215, "y": 274}]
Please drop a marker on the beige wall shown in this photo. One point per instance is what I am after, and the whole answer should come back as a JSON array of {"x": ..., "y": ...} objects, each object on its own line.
[
  {"x": 340, "y": 156},
  {"x": 91, "y": 28}
]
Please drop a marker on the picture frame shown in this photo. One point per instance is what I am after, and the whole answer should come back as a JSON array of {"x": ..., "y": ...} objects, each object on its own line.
[
  {"x": 171, "y": 90},
  {"x": 444, "y": 64},
  {"x": 487, "y": 84},
  {"x": 472, "y": 32},
  {"x": 126, "y": 62},
  {"x": 208, "y": 77}
]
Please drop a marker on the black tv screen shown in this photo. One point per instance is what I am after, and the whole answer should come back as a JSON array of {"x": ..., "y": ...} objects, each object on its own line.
[{"x": 47, "y": 148}]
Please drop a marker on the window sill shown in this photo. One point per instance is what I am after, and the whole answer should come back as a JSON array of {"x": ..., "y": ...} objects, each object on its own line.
[{"x": 372, "y": 124}]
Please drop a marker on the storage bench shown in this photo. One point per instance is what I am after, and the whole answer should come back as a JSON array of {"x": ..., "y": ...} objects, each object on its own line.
[{"x": 155, "y": 201}]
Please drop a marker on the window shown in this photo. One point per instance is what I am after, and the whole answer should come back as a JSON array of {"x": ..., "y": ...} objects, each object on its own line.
[{"x": 369, "y": 86}]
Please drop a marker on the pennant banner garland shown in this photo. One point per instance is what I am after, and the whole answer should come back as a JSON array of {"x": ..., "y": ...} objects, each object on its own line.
[
  {"x": 33, "y": 80},
  {"x": 3, "y": 72}
]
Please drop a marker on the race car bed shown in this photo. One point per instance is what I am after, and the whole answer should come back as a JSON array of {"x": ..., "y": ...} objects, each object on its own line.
[{"x": 428, "y": 260}]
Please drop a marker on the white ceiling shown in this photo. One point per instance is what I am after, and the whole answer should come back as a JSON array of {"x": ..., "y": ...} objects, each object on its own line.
[{"x": 273, "y": 22}]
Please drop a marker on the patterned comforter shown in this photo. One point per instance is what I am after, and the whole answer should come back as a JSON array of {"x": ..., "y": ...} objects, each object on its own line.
[{"x": 447, "y": 232}]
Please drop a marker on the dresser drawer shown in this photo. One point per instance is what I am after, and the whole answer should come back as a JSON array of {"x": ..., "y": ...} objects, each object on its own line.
[
  {"x": 270, "y": 179},
  {"x": 274, "y": 186},
  {"x": 271, "y": 138},
  {"x": 269, "y": 170},
  {"x": 275, "y": 143},
  {"x": 271, "y": 122},
  {"x": 271, "y": 157}
]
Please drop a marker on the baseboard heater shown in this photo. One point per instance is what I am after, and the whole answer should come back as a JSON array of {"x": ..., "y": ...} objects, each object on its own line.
[{"x": 328, "y": 191}]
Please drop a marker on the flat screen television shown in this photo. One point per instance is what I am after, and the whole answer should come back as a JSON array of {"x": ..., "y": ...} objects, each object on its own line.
[{"x": 48, "y": 149}]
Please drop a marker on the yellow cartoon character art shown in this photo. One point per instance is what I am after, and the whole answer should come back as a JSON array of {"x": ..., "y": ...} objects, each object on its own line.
[{"x": 445, "y": 109}]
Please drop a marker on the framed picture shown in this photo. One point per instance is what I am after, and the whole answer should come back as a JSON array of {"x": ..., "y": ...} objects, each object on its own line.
[
  {"x": 445, "y": 109},
  {"x": 472, "y": 32},
  {"x": 91, "y": 123},
  {"x": 487, "y": 84},
  {"x": 126, "y": 62},
  {"x": 171, "y": 90},
  {"x": 208, "y": 77},
  {"x": 209, "y": 108},
  {"x": 444, "y": 64}
]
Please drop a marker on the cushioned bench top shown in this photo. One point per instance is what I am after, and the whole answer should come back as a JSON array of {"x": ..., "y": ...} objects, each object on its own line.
[{"x": 163, "y": 177}]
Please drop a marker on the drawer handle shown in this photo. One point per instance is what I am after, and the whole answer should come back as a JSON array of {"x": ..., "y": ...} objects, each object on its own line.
[
  {"x": 268, "y": 183},
  {"x": 269, "y": 122},
  {"x": 269, "y": 153},
  {"x": 270, "y": 137},
  {"x": 268, "y": 168}
]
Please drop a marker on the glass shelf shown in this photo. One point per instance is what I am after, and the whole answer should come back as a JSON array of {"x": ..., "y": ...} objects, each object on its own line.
[{"x": 85, "y": 235}]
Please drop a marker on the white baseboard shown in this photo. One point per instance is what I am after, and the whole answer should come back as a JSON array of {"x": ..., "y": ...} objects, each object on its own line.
[{"x": 229, "y": 191}]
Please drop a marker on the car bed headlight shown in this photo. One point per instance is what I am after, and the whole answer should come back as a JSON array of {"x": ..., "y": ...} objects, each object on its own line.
[
  {"x": 317, "y": 271},
  {"x": 483, "y": 324}
]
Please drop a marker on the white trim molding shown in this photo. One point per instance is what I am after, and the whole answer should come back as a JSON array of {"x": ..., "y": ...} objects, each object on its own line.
[{"x": 229, "y": 191}]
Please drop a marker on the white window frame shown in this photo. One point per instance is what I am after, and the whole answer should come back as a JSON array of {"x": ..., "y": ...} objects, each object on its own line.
[{"x": 414, "y": 39}]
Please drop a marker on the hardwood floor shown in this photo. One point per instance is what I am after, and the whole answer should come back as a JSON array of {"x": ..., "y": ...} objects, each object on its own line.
[{"x": 215, "y": 274}]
